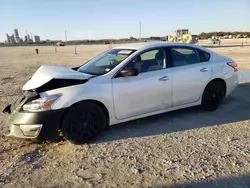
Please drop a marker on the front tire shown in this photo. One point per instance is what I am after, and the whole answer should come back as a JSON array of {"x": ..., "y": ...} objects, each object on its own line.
[
  {"x": 84, "y": 122},
  {"x": 213, "y": 95}
]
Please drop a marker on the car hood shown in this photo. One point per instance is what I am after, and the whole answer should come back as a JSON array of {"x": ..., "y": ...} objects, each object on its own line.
[{"x": 48, "y": 72}]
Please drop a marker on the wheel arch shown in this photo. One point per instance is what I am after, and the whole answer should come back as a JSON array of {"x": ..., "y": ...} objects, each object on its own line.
[
  {"x": 100, "y": 104},
  {"x": 214, "y": 100},
  {"x": 103, "y": 107},
  {"x": 216, "y": 80}
]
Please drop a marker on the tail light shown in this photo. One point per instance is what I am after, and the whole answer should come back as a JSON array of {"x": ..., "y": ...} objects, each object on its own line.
[{"x": 233, "y": 65}]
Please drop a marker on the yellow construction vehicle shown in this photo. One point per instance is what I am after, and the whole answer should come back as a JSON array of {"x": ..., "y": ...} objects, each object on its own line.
[{"x": 183, "y": 35}]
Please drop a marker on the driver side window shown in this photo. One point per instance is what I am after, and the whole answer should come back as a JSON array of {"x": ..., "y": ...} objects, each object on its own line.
[{"x": 148, "y": 61}]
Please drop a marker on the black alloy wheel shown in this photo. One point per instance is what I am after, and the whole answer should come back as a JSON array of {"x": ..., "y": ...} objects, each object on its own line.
[
  {"x": 213, "y": 95},
  {"x": 84, "y": 122}
]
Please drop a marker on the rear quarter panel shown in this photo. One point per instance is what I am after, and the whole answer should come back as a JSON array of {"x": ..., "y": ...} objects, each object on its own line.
[{"x": 223, "y": 71}]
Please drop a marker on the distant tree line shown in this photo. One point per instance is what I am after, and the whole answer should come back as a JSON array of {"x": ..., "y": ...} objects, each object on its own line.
[
  {"x": 222, "y": 34},
  {"x": 202, "y": 35},
  {"x": 102, "y": 41}
]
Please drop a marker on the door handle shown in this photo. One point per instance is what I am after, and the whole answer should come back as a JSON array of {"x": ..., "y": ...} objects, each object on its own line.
[
  {"x": 164, "y": 78},
  {"x": 204, "y": 69}
]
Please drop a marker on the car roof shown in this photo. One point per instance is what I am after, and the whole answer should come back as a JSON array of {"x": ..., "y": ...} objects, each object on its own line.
[
  {"x": 139, "y": 45},
  {"x": 145, "y": 45}
]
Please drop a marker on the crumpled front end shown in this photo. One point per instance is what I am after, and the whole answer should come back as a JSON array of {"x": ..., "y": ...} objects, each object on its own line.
[
  {"x": 32, "y": 115},
  {"x": 32, "y": 125},
  {"x": 13, "y": 110}
]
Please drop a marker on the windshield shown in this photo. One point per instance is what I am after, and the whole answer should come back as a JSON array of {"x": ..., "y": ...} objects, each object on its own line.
[{"x": 105, "y": 62}]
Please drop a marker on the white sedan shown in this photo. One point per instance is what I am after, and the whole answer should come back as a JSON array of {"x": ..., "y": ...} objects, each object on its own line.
[{"x": 127, "y": 82}]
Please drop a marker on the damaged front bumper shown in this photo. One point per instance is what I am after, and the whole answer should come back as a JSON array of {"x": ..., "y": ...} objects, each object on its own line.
[{"x": 38, "y": 126}]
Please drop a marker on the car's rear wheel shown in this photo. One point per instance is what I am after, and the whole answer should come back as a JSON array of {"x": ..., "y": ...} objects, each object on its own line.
[
  {"x": 84, "y": 122},
  {"x": 213, "y": 95}
]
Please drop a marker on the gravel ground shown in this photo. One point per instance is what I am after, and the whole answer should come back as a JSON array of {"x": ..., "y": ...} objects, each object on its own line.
[{"x": 185, "y": 148}]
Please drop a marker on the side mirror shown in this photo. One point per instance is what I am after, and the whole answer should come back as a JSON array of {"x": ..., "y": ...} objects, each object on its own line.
[{"x": 129, "y": 72}]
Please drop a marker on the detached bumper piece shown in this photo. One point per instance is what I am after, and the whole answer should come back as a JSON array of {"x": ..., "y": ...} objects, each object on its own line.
[{"x": 7, "y": 109}]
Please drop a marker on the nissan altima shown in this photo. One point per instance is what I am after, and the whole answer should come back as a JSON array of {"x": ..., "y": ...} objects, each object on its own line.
[{"x": 124, "y": 83}]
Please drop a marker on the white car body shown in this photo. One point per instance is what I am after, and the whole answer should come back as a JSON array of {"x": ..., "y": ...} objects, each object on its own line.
[
  {"x": 178, "y": 80},
  {"x": 129, "y": 98}
]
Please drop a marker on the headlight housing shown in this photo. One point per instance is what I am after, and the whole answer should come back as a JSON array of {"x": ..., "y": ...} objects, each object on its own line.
[{"x": 41, "y": 104}]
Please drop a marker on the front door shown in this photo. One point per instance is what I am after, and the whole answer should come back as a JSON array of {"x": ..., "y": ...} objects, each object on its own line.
[{"x": 149, "y": 91}]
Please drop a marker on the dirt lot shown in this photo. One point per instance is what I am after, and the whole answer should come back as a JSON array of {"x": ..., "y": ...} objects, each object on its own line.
[{"x": 185, "y": 148}]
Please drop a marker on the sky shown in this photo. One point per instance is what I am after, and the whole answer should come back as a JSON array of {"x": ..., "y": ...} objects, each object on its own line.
[{"x": 97, "y": 19}]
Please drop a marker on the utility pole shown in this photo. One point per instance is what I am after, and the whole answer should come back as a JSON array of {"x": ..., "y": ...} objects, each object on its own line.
[
  {"x": 140, "y": 30},
  {"x": 66, "y": 36}
]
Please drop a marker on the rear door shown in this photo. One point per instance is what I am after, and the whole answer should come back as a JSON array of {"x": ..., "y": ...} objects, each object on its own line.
[{"x": 191, "y": 71}]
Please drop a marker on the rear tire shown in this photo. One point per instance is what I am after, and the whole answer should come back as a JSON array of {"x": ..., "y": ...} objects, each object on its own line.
[
  {"x": 83, "y": 123},
  {"x": 213, "y": 95}
]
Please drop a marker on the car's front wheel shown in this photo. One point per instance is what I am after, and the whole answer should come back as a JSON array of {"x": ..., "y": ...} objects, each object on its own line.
[
  {"x": 84, "y": 122},
  {"x": 213, "y": 95}
]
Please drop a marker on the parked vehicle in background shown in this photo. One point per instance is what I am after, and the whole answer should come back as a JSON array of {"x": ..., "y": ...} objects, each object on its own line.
[
  {"x": 214, "y": 41},
  {"x": 60, "y": 44},
  {"x": 124, "y": 83}
]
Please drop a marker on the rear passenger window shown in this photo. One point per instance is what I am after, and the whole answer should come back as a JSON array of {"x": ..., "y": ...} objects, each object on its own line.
[
  {"x": 182, "y": 56},
  {"x": 204, "y": 56}
]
